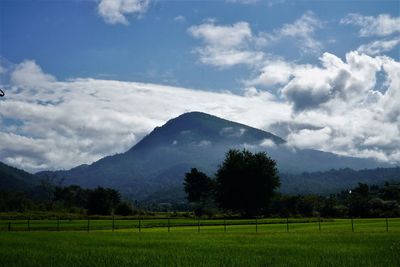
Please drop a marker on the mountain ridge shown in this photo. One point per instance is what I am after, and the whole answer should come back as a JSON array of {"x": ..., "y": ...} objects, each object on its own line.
[
  {"x": 15, "y": 179},
  {"x": 195, "y": 139}
]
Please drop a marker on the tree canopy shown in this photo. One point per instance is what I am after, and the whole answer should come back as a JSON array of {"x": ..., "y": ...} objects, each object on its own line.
[
  {"x": 196, "y": 185},
  {"x": 102, "y": 201},
  {"x": 245, "y": 182}
]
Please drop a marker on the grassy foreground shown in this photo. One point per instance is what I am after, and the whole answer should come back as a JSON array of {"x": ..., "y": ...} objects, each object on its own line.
[
  {"x": 184, "y": 246},
  {"x": 267, "y": 224}
]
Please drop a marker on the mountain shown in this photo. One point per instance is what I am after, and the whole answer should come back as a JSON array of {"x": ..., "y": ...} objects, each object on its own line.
[
  {"x": 158, "y": 162},
  {"x": 14, "y": 179}
]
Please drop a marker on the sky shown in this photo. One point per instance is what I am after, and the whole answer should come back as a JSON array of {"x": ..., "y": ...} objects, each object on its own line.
[{"x": 87, "y": 79}]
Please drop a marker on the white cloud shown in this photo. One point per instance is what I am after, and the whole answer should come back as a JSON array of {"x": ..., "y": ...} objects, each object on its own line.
[
  {"x": 29, "y": 74},
  {"x": 341, "y": 108},
  {"x": 61, "y": 124},
  {"x": 115, "y": 11},
  {"x": 227, "y": 45},
  {"x": 267, "y": 143},
  {"x": 382, "y": 25},
  {"x": 379, "y": 47},
  {"x": 67, "y": 123},
  {"x": 235, "y": 35},
  {"x": 232, "y": 132},
  {"x": 310, "y": 138},
  {"x": 349, "y": 81},
  {"x": 180, "y": 18},
  {"x": 274, "y": 72},
  {"x": 300, "y": 31}
]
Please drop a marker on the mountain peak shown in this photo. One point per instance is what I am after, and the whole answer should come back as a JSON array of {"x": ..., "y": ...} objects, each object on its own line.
[
  {"x": 198, "y": 114},
  {"x": 195, "y": 140},
  {"x": 198, "y": 127}
]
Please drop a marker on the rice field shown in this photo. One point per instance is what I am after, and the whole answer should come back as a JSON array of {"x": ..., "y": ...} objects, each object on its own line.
[
  {"x": 266, "y": 224},
  {"x": 268, "y": 244}
]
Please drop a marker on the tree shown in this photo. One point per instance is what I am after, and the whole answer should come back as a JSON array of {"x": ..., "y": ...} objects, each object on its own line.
[
  {"x": 245, "y": 182},
  {"x": 124, "y": 208},
  {"x": 199, "y": 189},
  {"x": 101, "y": 201},
  {"x": 197, "y": 185}
]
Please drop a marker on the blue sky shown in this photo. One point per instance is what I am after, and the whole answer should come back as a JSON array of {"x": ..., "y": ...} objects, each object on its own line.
[
  {"x": 70, "y": 38},
  {"x": 86, "y": 79}
]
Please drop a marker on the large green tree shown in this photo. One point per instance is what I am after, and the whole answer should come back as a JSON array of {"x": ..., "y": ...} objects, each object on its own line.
[
  {"x": 245, "y": 182},
  {"x": 197, "y": 185},
  {"x": 102, "y": 201},
  {"x": 199, "y": 191}
]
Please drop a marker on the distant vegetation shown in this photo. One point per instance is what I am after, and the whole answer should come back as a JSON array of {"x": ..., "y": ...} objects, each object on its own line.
[
  {"x": 245, "y": 183},
  {"x": 70, "y": 199},
  {"x": 333, "y": 181}
]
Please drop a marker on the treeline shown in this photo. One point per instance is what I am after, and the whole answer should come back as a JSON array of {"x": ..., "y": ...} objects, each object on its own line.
[
  {"x": 246, "y": 184},
  {"x": 333, "y": 181},
  {"x": 362, "y": 201},
  {"x": 71, "y": 199}
]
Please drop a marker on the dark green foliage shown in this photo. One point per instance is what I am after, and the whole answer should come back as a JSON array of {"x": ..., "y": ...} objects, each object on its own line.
[
  {"x": 197, "y": 185},
  {"x": 124, "y": 208},
  {"x": 333, "y": 181},
  {"x": 365, "y": 201},
  {"x": 101, "y": 201},
  {"x": 199, "y": 190},
  {"x": 245, "y": 182},
  {"x": 15, "y": 201},
  {"x": 361, "y": 201},
  {"x": 71, "y": 196}
]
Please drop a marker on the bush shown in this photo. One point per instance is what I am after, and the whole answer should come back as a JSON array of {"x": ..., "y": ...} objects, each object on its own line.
[{"x": 124, "y": 209}]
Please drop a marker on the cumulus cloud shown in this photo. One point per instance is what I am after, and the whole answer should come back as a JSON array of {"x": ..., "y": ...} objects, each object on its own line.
[
  {"x": 52, "y": 124},
  {"x": 301, "y": 31},
  {"x": 342, "y": 108},
  {"x": 29, "y": 74},
  {"x": 381, "y": 25},
  {"x": 379, "y": 47},
  {"x": 274, "y": 72},
  {"x": 67, "y": 123},
  {"x": 227, "y": 45},
  {"x": 348, "y": 81},
  {"x": 337, "y": 105},
  {"x": 267, "y": 143},
  {"x": 115, "y": 11},
  {"x": 310, "y": 138}
]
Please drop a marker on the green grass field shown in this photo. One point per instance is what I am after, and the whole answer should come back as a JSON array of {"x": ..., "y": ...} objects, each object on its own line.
[
  {"x": 104, "y": 224},
  {"x": 240, "y": 245}
]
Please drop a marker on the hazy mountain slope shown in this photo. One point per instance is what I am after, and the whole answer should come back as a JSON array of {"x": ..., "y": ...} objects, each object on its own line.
[
  {"x": 200, "y": 140},
  {"x": 333, "y": 181},
  {"x": 14, "y": 179}
]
